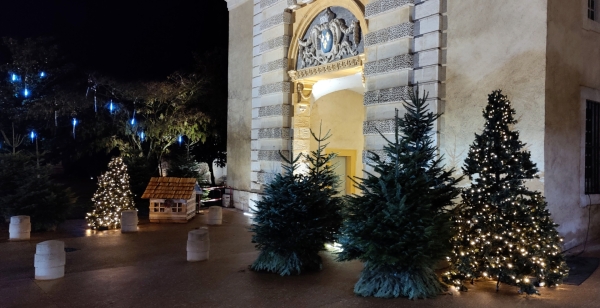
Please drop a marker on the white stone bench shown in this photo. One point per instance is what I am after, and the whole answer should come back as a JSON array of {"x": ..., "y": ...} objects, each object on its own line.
[
  {"x": 19, "y": 228},
  {"x": 49, "y": 260},
  {"x": 215, "y": 215},
  {"x": 129, "y": 221},
  {"x": 198, "y": 245}
]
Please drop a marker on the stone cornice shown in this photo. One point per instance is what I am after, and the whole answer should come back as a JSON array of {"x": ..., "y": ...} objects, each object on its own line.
[
  {"x": 232, "y": 4},
  {"x": 340, "y": 65}
]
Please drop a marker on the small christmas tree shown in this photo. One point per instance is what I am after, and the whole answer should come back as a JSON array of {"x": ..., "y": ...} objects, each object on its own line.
[
  {"x": 297, "y": 216},
  {"x": 400, "y": 226},
  {"x": 504, "y": 230},
  {"x": 112, "y": 197}
]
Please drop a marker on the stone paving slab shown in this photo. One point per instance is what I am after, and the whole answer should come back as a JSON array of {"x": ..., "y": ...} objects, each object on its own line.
[{"x": 149, "y": 269}]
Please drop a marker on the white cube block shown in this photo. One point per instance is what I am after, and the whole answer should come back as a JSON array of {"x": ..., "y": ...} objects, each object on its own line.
[
  {"x": 20, "y": 220},
  {"x": 215, "y": 215},
  {"x": 48, "y": 273},
  {"x": 227, "y": 200},
  {"x": 19, "y": 228},
  {"x": 197, "y": 256},
  {"x": 129, "y": 221},
  {"x": 198, "y": 245},
  {"x": 49, "y": 260},
  {"x": 49, "y": 247},
  {"x": 198, "y": 235}
]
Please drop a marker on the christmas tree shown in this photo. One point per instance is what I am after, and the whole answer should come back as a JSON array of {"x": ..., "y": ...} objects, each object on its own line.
[
  {"x": 400, "y": 226},
  {"x": 504, "y": 230},
  {"x": 297, "y": 215},
  {"x": 112, "y": 197}
]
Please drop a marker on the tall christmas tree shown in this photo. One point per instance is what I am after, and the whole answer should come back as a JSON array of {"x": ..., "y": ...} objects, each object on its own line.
[
  {"x": 400, "y": 225},
  {"x": 297, "y": 216},
  {"x": 112, "y": 197},
  {"x": 504, "y": 230}
]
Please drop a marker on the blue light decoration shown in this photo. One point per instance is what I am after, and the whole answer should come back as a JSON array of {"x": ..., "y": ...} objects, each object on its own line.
[
  {"x": 74, "y": 122},
  {"x": 133, "y": 118},
  {"x": 42, "y": 74},
  {"x": 142, "y": 136},
  {"x": 180, "y": 139},
  {"x": 14, "y": 77},
  {"x": 32, "y": 135},
  {"x": 26, "y": 92},
  {"x": 111, "y": 107}
]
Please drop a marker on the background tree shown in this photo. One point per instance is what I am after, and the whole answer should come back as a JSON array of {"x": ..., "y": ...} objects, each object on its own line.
[
  {"x": 183, "y": 165},
  {"x": 400, "y": 225},
  {"x": 112, "y": 197},
  {"x": 34, "y": 91},
  {"x": 213, "y": 102},
  {"x": 26, "y": 189},
  {"x": 297, "y": 216},
  {"x": 505, "y": 231}
]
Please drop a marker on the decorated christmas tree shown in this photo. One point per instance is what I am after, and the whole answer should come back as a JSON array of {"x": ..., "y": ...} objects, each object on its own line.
[
  {"x": 400, "y": 226},
  {"x": 297, "y": 216},
  {"x": 504, "y": 230},
  {"x": 112, "y": 197}
]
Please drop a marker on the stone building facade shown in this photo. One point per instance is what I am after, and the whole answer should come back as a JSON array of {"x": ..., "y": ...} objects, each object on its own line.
[{"x": 286, "y": 78}]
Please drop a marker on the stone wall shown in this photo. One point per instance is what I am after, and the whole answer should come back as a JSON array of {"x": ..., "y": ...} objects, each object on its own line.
[
  {"x": 404, "y": 47},
  {"x": 572, "y": 77},
  {"x": 494, "y": 45},
  {"x": 239, "y": 113}
]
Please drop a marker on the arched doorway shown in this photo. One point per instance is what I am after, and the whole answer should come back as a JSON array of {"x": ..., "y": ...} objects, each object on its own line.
[{"x": 327, "y": 55}]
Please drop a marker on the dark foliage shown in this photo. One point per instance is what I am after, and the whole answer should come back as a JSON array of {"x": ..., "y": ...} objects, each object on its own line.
[{"x": 400, "y": 225}]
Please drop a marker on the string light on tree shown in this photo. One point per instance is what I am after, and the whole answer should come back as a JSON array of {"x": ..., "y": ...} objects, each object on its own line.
[
  {"x": 112, "y": 197},
  {"x": 133, "y": 118},
  {"x": 74, "y": 122},
  {"x": 504, "y": 230}
]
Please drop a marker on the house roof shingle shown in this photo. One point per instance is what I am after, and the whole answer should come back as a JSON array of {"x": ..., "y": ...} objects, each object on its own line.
[{"x": 169, "y": 188}]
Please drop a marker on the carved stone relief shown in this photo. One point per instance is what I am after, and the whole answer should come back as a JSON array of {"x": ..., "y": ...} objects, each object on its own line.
[{"x": 335, "y": 34}]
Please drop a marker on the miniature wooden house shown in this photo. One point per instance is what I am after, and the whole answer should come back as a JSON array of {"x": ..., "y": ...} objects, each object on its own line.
[{"x": 172, "y": 199}]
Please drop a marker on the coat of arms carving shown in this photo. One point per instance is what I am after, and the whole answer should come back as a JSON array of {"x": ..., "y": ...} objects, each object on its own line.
[{"x": 329, "y": 40}]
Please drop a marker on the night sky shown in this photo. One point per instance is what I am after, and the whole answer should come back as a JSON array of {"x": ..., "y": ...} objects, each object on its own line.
[{"x": 125, "y": 39}]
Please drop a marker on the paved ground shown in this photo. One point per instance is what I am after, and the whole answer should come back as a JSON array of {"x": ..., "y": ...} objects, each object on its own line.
[{"x": 149, "y": 269}]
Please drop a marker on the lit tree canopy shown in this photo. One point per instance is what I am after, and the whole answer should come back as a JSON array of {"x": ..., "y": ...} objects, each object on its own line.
[
  {"x": 504, "y": 230},
  {"x": 112, "y": 197}
]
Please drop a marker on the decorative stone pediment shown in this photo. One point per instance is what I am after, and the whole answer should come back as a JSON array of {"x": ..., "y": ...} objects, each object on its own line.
[{"x": 333, "y": 35}]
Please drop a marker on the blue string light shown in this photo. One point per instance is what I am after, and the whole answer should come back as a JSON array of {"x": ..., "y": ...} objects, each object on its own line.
[
  {"x": 180, "y": 139},
  {"x": 42, "y": 74},
  {"x": 32, "y": 135},
  {"x": 111, "y": 107},
  {"x": 133, "y": 118},
  {"x": 14, "y": 77},
  {"x": 74, "y": 124},
  {"x": 142, "y": 136},
  {"x": 26, "y": 92}
]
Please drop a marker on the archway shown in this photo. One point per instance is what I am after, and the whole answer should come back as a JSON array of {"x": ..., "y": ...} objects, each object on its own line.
[{"x": 326, "y": 66}]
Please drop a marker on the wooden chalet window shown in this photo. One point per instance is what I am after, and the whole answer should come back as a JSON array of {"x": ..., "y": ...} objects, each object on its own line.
[{"x": 162, "y": 207}]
